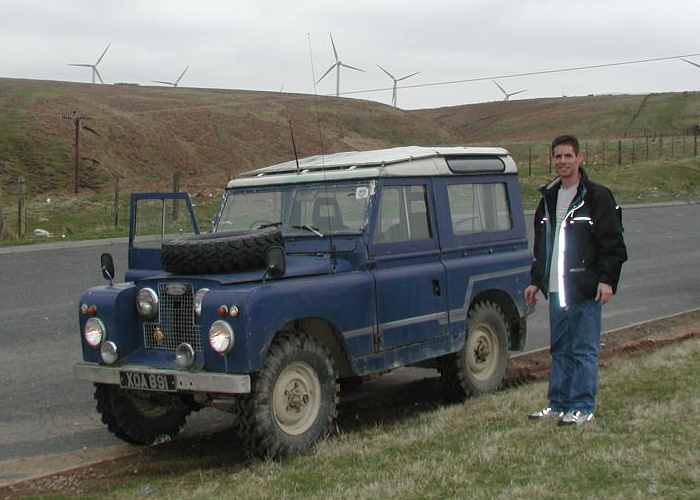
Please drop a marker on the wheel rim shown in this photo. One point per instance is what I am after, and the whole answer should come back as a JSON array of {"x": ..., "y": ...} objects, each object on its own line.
[
  {"x": 296, "y": 398},
  {"x": 482, "y": 352}
]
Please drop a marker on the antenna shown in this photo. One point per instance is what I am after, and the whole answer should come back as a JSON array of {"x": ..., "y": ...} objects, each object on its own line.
[
  {"x": 176, "y": 82},
  {"x": 294, "y": 144},
  {"x": 93, "y": 66},
  {"x": 337, "y": 64},
  {"x": 507, "y": 95},
  {"x": 396, "y": 81}
]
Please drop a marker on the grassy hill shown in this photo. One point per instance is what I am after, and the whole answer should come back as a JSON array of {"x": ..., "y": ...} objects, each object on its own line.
[
  {"x": 143, "y": 136},
  {"x": 207, "y": 135},
  {"x": 593, "y": 117},
  {"x": 147, "y": 133}
]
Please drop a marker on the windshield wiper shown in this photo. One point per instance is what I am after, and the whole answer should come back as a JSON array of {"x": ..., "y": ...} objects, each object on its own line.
[
  {"x": 310, "y": 229},
  {"x": 269, "y": 224}
]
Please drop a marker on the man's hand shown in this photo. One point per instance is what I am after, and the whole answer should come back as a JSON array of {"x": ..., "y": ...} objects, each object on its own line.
[
  {"x": 530, "y": 295},
  {"x": 604, "y": 293}
]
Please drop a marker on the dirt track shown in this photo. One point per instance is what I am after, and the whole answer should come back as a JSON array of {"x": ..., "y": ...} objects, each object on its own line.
[{"x": 412, "y": 398}]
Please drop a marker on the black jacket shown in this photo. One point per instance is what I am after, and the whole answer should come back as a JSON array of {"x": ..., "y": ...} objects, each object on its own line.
[{"x": 594, "y": 247}]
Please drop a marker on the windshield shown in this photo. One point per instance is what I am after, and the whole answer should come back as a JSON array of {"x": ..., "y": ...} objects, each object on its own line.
[{"x": 319, "y": 209}]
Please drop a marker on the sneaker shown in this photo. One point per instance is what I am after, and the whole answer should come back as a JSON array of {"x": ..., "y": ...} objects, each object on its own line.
[
  {"x": 576, "y": 418},
  {"x": 548, "y": 412}
]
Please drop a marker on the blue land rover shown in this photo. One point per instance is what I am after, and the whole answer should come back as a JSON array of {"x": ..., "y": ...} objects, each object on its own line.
[{"x": 319, "y": 269}]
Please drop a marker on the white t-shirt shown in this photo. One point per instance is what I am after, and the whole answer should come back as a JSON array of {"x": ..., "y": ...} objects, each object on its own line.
[{"x": 564, "y": 199}]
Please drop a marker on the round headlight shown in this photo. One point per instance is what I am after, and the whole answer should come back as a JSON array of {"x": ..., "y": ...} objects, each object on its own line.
[
  {"x": 109, "y": 352},
  {"x": 198, "y": 298},
  {"x": 94, "y": 332},
  {"x": 221, "y": 337},
  {"x": 147, "y": 303},
  {"x": 184, "y": 355}
]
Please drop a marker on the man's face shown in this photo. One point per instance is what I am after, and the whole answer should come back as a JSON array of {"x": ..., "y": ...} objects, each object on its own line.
[{"x": 566, "y": 161}]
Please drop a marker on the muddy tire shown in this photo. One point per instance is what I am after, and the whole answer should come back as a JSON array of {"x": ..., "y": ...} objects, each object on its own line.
[
  {"x": 293, "y": 401},
  {"x": 223, "y": 252},
  {"x": 480, "y": 366},
  {"x": 138, "y": 417}
]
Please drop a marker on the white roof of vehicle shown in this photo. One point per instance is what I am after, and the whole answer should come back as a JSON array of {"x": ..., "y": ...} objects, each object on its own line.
[{"x": 402, "y": 161}]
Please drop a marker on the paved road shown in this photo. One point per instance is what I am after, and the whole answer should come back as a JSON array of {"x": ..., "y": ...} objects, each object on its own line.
[{"x": 45, "y": 411}]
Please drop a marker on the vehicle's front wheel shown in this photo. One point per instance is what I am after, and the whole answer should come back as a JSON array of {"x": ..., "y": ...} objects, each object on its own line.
[
  {"x": 479, "y": 367},
  {"x": 293, "y": 401},
  {"x": 139, "y": 417}
]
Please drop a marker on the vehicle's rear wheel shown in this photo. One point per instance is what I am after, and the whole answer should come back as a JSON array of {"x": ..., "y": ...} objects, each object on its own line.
[
  {"x": 479, "y": 367},
  {"x": 293, "y": 401},
  {"x": 139, "y": 417}
]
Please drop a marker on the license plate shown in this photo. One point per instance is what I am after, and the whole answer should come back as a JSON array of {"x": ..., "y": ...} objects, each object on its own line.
[{"x": 147, "y": 381}]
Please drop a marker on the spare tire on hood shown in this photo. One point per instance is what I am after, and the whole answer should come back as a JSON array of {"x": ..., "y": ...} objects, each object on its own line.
[{"x": 222, "y": 252}]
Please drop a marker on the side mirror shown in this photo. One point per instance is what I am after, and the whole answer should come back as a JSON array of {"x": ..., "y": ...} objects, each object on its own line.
[
  {"x": 276, "y": 263},
  {"x": 107, "y": 264}
]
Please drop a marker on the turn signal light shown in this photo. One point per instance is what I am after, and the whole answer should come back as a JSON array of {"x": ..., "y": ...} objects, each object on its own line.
[{"x": 90, "y": 310}]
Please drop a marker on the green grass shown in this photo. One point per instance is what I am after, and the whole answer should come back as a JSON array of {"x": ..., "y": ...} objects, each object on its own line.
[
  {"x": 92, "y": 216},
  {"x": 644, "y": 444}
]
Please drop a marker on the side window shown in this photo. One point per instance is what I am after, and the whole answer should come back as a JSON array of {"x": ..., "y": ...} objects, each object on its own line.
[
  {"x": 403, "y": 215},
  {"x": 479, "y": 208}
]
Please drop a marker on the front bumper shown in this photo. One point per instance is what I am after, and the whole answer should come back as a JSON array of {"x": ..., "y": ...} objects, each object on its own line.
[{"x": 221, "y": 383}]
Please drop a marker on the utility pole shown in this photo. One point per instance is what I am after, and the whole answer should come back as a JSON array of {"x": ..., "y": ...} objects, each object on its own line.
[{"x": 77, "y": 121}]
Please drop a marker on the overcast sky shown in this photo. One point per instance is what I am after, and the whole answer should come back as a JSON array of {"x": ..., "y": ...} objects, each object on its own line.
[{"x": 275, "y": 45}]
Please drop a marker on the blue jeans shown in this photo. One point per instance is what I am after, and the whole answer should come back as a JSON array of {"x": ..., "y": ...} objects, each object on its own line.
[{"x": 574, "y": 344}]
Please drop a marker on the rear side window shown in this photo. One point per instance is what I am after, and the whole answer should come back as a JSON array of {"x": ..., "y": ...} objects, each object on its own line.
[
  {"x": 403, "y": 215},
  {"x": 479, "y": 208}
]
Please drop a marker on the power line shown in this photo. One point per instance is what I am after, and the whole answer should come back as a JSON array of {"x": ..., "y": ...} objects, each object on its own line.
[{"x": 531, "y": 73}]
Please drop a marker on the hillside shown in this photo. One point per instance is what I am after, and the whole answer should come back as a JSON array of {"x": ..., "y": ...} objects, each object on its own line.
[
  {"x": 147, "y": 133},
  {"x": 207, "y": 135},
  {"x": 593, "y": 117}
]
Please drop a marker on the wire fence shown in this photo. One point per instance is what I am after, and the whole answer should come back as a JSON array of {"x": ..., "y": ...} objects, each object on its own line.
[
  {"x": 534, "y": 156},
  {"x": 109, "y": 210}
]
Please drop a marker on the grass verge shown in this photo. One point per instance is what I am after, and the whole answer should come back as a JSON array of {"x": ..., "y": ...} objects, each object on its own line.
[{"x": 644, "y": 444}]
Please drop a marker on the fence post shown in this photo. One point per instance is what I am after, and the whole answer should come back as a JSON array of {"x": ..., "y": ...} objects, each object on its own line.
[
  {"x": 21, "y": 208},
  {"x": 646, "y": 157},
  {"x": 2, "y": 218},
  {"x": 116, "y": 201},
  {"x": 176, "y": 189},
  {"x": 633, "y": 151},
  {"x": 619, "y": 151}
]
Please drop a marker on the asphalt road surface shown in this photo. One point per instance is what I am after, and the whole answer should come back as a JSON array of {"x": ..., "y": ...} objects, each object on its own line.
[{"x": 44, "y": 411}]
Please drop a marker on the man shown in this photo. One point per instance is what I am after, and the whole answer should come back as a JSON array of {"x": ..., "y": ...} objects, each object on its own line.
[{"x": 578, "y": 253}]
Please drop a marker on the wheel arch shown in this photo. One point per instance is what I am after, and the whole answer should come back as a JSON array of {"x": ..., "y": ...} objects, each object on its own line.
[
  {"x": 517, "y": 332},
  {"x": 328, "y": 335}
]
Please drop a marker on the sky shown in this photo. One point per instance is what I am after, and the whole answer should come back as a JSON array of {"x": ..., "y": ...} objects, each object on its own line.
[{"x": 457, "y": 46}]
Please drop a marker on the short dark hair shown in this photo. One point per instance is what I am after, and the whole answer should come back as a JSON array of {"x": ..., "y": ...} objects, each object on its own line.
[{"x": 569, "y": 140}]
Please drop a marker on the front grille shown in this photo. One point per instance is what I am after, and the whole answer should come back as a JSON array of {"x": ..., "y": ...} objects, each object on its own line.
[{"x": 175, "y": 319}]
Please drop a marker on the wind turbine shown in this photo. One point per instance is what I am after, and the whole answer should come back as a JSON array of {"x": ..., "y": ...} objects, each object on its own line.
[
  {"x": 176, "y": 82},
  {"x": 396, "y": 81},
  {"x": 507, "y": 98},
  {"x": 337, "y": 64},
  {"x": 94, "y": 66},
  {"x": 691, "y": 62}
]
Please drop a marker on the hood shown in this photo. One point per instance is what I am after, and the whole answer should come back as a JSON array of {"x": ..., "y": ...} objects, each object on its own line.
[{"x": 297, "y": 265}]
